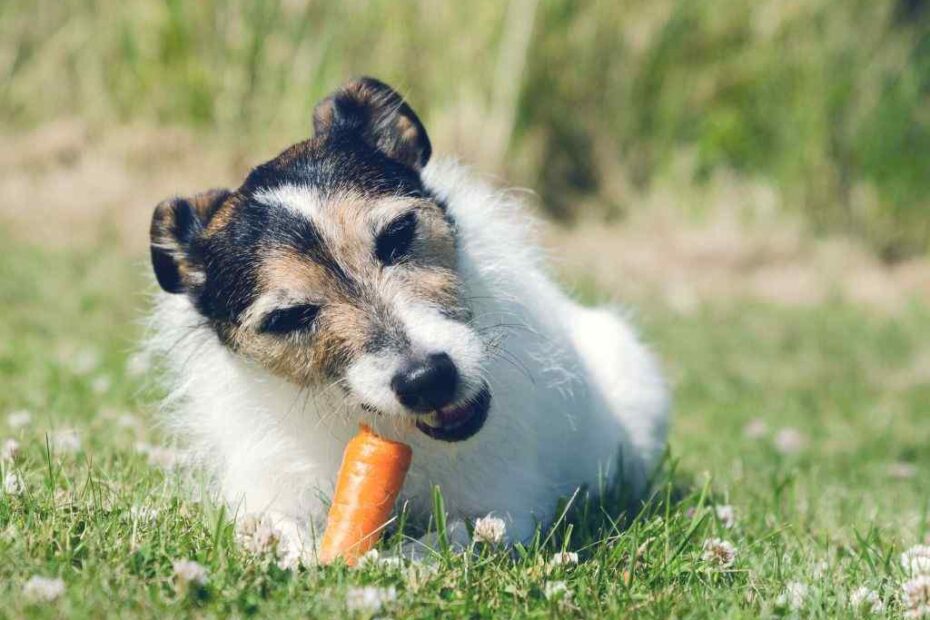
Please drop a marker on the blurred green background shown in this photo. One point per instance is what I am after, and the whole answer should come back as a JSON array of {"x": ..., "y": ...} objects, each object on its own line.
[
  {"x": 750, "y": 176},
  {"x": 588, "y": 103}
]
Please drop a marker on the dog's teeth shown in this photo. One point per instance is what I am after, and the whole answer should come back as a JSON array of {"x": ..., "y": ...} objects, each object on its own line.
[{"x": 432, "y": 420}]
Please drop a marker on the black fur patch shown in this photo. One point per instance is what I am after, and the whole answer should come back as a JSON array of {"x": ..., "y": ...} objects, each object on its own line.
[
  {"x": 176, "y": 223},
  {"x": 338, "y": 164},
  {"x": 369, "y": 143},
  {"x": 372, "y": 111},
  {"x": 393, "y": 244},
  {"x": 291, "y": 319}
]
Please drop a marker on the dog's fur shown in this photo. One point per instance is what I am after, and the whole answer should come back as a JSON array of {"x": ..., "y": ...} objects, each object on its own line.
[{"x": 282, "y": 323}]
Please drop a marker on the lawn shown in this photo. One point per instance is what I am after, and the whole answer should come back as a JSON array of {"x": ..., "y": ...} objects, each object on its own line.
[{"x": 809, "y": 424}]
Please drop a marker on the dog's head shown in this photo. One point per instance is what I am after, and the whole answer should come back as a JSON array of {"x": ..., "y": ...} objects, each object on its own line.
[{"x": 333, "y": 265}]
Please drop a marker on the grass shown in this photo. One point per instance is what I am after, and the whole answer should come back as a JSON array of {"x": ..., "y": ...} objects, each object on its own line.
[
  {"x": 592, "y": 104},
  {"x": 833, "y": 514}
]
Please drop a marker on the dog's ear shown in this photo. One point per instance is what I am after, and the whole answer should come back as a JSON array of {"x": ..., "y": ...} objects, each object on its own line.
[
  {"x": 176, "y": 223},
  {"x": 375, "y": 112}
]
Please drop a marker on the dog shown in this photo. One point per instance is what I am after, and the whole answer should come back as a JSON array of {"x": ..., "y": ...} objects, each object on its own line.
[{"x": 353, "y": 279}]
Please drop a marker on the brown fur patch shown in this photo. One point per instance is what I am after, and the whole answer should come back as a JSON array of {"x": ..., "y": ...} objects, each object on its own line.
[
  {"x": 295, "y": 152},
  {"x": 355, "y": 304},
  {"x": 381, "y": 116},
  {"x": 438, "y": 286},
  {"x": 223, "y": 215},
  {"x": 285, "y": 269},
  {"x": 206, "y": 203},
  {"x": 168, "y": 240}
]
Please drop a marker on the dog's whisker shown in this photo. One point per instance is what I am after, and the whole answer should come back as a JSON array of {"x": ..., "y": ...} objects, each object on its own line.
[{"x": 506, "y": 356}]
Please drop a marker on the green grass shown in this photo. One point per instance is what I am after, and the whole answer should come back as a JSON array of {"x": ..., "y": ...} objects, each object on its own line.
[
  {"x": 590, "y": 103},
  {"x": 830, "y": 515}
]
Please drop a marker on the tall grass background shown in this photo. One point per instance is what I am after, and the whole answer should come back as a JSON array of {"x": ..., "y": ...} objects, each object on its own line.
[{"x": 590, "y": 103}]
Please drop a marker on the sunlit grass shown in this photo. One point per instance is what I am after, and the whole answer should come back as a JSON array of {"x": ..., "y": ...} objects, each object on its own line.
[
  {"x": 830, "y": 509},
  {"x": 587, "y": 103}
]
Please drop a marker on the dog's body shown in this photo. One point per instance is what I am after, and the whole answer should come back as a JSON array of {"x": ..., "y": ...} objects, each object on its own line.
[{"x": 539, "y": 397}]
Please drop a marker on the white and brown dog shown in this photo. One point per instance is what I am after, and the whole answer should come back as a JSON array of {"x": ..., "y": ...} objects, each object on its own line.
[{"x": 353, "y": 279}]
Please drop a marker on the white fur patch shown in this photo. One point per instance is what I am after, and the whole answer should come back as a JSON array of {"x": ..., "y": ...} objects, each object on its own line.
[
  {"x": 370, "y": 379},
  {"x": 430, "y": 332},
  {"x": 572, "y": 388},
  {"x": 301, "y": 200}
]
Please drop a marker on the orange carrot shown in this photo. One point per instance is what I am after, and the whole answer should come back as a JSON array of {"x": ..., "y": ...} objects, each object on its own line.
[{"x": 370, "y": 477}]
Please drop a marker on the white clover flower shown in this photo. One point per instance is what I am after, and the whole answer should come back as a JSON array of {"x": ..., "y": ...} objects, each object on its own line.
[
  {"x": 101, "y": 384},
  {"x": 142, "y": 448},
  {"x": 490, "y": 530},
  {"x": 373, "y": 557},
  {"x": 916, "y": 597},
  {"x": 10, "y": 534},
  {"x": 144, "y": 514},
  {"x": 18, "y": 419},
  {"x": 43, "y": 589},
  {"x": 63, "y": 498},
  {"x": 790, "y": 441},
  {"x": 258, "y": 535},
  {"x": 127, "y": 420},
  {"x": 289, "y": 557},
  {"x": 820, "y": 569},
  {"x": 794, "y": 596},
  {"x": 755, "y": 429},
  {"x": 916, "y": 560},
  {"x": 564, "y": 558},
  {"x": 159, "y": 456},
  {"x": 556, "y": 590},
  {"x": 864, "y": 598},
  {"x": 718, "y": 552},
  {"x": 10, "y": 450},
  {"x": 369, "y": 599},
  {"x": 368, "y": 559},
  {"x": 164, "y": 458},
  {"x": 246, "y": 525},
  {"x": 188, "y": 573},
  {"x": 726, "y": 515},
  {"x": 391, "y": 562},
  {"x": 84, "y": 361},
  {"x": 416, "y": 574},
  {"x": 13, "y": 484},
  {"x": 66, "y": 441},
  {"x": 901, "y": 470},
  {"x": 138, "y": 364}
]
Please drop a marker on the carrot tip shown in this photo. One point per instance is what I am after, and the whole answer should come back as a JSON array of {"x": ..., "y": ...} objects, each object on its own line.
[{"x": 370, "y": 478}]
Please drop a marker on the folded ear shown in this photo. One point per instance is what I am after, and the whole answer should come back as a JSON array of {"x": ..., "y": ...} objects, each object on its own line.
[
  {"x": 176, "y": 224},
  {"x": 380, "y": 116}
]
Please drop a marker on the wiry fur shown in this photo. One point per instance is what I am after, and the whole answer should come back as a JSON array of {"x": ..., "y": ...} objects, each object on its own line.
[{"x": 572, "y": 388}]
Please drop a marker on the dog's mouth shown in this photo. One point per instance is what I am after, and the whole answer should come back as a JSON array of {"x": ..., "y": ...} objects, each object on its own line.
[{"x": 459, "y": 422}]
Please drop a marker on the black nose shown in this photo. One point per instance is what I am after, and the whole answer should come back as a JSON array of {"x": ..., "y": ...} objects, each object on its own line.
[{"x": 426, "y": 385}]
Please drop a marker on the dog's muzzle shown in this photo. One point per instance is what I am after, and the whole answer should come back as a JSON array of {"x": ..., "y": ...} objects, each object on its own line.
[
  {"x": 457, "y": 422},
  {"x": 427, "y": 387}
]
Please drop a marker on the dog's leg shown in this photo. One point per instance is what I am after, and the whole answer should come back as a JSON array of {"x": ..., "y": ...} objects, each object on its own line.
[
  {"x": 521, "y": 529},
  {"x": 256, "y": 485}
]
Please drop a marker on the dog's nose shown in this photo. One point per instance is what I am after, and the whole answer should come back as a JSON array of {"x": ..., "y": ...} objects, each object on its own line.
[{"x": 426, "y": 385}]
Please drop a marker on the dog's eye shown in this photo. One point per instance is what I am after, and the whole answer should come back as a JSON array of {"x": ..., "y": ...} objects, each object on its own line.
[
  {"x": 393, "y": 245},
  {"x": 289, "y": 319}
]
